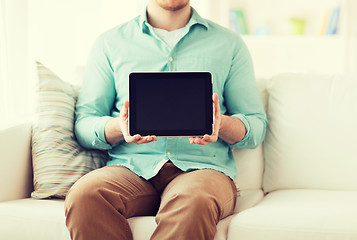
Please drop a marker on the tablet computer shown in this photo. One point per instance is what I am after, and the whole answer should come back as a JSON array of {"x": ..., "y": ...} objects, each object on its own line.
[{"x": 170, "y": 103}]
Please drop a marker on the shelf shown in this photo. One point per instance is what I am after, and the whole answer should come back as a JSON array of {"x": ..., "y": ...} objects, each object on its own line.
[
  {"x": 276, "y": 39},
  {"x": 276, "y": 15},
  {"x": 281, "y": 50}
]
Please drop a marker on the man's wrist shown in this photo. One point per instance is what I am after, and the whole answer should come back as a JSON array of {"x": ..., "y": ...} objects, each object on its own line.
[
  {"x": 232, "y": 130},
  {"x": 223, "y": 124},
  {"x": 113, "y": 132}
]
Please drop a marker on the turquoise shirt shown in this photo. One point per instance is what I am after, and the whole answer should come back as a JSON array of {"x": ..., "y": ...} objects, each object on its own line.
[{"x": 134, "y": 46}]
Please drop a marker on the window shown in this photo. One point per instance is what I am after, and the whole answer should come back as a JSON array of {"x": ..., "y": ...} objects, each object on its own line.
[{"x": 14, "y": 84}]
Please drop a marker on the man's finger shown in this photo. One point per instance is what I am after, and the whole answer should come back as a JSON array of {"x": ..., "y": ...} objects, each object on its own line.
[
  {"x": 200, "y": 141},
  {"x": 132, "y": 139},
  {"x": 216, "y": 104},
  {"x": 146, "y": 139},
  {"x": 206, "y": 137},
  {"x": 210, "y": 138}
]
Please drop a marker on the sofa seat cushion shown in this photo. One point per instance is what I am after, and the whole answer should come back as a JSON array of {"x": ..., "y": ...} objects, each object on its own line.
[
  {"x": 32, "y": 219},
  {"x": 299, "y": 214}
]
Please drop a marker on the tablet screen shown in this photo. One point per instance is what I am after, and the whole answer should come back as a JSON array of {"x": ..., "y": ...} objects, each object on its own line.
[{"x": 170, "y": 103}]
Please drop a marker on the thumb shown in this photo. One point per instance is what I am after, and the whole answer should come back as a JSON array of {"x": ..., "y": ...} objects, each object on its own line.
[
  {"x": 124, "y": 111},
  {"x": 215, "y": 98}
]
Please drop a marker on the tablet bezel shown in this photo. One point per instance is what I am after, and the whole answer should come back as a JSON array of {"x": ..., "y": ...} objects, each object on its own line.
[{"x": 134, "y": 77}]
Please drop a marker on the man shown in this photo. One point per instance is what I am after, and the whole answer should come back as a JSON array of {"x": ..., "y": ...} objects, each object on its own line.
[{"x": 186, "y": 182}]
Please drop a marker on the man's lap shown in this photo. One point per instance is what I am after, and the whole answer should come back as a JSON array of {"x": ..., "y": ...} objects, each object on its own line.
[{"x": 143, "y": 197}]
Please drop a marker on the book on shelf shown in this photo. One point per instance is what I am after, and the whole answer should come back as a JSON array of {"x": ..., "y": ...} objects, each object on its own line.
[
  {"x": 237, "y": 21},
  {"x": 331, "y": 21}
]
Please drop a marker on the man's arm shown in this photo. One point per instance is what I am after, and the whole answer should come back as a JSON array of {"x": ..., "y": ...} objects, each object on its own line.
[
  {"x": 243, "y": 102},
  {"x": 96, "y": 98}
]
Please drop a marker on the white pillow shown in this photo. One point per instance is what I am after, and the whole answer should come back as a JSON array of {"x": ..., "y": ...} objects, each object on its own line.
[{"x": 311, "y": 139}]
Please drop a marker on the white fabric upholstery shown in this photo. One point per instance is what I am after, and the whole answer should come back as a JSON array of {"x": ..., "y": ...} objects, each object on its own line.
[
  {"x": 15, "y": 162},
  {"x": 248, "y": 199},
  {"x": 312, "y": 136},
  {"x": 32, "y": 219},
  {"x": 250, "y": 165},
  {"x": 297, "y": 215},
  {"x": 142, "y": 227}
]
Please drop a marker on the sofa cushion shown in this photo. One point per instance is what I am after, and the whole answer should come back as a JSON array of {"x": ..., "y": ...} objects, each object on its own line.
[
  {"x": 58, "y": 160},
  {"x": 299, "y": 214},
  {"x": 311, "y": 139},
  {"x": 32, "y": 219},
  {"x": 15, "y": 162}
]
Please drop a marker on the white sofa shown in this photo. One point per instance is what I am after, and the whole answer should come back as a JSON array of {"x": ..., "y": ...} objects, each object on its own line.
[{"x": 301, "y": 183}]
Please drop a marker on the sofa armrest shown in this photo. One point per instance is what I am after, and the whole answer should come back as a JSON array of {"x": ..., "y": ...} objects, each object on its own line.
[{"x": 15, "y": 162}]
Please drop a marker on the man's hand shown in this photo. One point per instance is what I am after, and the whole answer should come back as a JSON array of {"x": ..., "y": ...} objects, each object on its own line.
[
  {"x": 123, "y": 122},
  {"x": 206, "y": 139}
]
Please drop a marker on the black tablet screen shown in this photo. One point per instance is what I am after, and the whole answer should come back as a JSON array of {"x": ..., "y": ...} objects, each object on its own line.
[{"x": 170, "y": 103}]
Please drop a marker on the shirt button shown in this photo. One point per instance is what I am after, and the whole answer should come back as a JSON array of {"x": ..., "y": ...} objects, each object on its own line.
[
  {"x": 171, "y": 59},
  {"x": 168, "y": 153}
]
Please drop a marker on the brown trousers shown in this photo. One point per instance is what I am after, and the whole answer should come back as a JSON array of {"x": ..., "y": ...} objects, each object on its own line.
[{"x": 187, "y": 205}]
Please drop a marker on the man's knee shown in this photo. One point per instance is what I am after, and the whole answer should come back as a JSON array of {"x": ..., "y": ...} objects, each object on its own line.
[
  {"x": 82, "y": 194},
  {"x": 201, "y": 201},
  {"x": 193, "y": 202},
  {"x": 186, "y": 215},
  {"x": 205, "y": 191}
]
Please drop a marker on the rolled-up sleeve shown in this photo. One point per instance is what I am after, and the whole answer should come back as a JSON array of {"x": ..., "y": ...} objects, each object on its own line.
[
  {"x": 96, "y": 99},
  {"x": 242, "y": 99}
]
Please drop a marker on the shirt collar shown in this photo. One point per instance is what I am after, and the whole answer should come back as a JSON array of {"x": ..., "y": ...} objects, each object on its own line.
[{"x": 195, "y": 19}]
